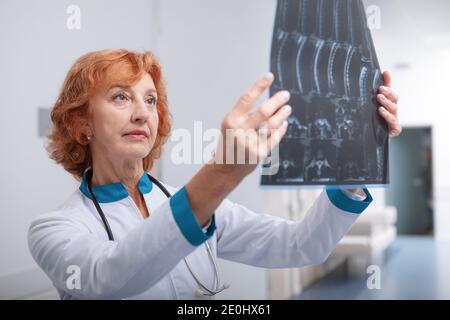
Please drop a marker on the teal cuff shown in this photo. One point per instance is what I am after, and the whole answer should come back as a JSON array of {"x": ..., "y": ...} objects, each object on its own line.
[
  {"x": 340, "y": 200},
  {"x": 186, "y": 221}
]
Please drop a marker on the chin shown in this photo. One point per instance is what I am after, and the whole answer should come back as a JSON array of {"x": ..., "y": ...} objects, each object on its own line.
[{"x": 137, "y": 152}]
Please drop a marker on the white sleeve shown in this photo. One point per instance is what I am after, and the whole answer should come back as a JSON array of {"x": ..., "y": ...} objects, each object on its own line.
[
  {"x": 114, "y": 270},
  {"x": 267, "y": 241}
]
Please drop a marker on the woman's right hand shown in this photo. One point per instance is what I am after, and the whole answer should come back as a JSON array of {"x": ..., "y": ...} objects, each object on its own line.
[
  {"x": 241, "y": 137},
  {"x": 248, "y": 136}
]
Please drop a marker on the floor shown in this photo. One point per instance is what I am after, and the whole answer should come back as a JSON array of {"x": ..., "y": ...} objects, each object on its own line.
[{"x": 415, "y": 267}]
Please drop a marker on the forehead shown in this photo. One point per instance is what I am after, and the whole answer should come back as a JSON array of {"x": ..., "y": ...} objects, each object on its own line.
[{"x": 142, "y": 83}]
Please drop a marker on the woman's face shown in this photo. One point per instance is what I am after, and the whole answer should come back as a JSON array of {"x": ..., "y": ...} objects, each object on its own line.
[{"x": 124, "y": 120}]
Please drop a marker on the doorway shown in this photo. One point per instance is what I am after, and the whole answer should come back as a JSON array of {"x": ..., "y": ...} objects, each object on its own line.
[{"x": 411, "y": 177}]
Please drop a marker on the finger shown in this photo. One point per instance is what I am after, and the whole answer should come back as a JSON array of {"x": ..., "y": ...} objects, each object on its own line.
[
  {"x": 388, "y": 104},
  {"x": 394, "y": 126},
  {"x": 263, "y": 128},
  {"x": 387, "y": 78},
  {"x": 275, "y": 121},
  {"x": 268, "y": 108},
  {"x": 264, "y": 131},
  {"x": 276, "y": 136},
  {"x": 281, "y": 115},
  {"x": 248, "y": 99},
  {"x": 389, "y": 93}
]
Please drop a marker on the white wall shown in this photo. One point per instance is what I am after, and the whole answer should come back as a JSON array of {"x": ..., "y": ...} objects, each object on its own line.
[{"x": 36, "y": 52}]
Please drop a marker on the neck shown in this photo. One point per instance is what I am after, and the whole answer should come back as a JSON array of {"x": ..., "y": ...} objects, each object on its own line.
[{"x": 128, "y": 172}]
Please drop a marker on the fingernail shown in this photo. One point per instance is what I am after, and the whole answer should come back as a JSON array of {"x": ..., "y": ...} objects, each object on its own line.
[
  {"x": 285, "y": 123},
  {"x": 383, "y": 88},
  {"x": 382, "y": 109},
  {"x": 287, "y": 108},
  {"x": 382, "y": 97},
  {"x": 285, "y": 95},
  {"x": 268, "y": 76}
]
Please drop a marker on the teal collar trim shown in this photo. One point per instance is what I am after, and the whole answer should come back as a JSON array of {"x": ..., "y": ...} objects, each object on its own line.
[{"x": 114, "y": 191}]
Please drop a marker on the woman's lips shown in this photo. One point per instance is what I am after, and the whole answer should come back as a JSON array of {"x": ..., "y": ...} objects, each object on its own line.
[{"x": 137, "y": 134}]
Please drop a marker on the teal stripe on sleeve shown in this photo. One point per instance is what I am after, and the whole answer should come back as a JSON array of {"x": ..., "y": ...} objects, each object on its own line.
[
  {"x": 345, "y": 203},
  {"x": 186, "y": 221}
]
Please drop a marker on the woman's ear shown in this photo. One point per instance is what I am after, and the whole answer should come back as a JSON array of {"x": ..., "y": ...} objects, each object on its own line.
[
  {"x": 86, "y": 133},
  {"x": 89, "y": 133},
  {"x": 87, "y": 126}
]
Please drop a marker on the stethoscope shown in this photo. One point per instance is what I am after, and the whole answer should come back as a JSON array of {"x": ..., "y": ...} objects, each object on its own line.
[{"x": 202, "y": 290}]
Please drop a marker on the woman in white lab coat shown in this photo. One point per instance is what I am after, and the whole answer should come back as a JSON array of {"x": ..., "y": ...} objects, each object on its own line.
[{"x": 120, "y": 236}]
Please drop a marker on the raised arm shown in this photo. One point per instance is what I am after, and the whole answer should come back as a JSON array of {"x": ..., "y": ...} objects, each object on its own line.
[
  {"x": 268, "y": 241},
  {"x": 242, "y": 146}
]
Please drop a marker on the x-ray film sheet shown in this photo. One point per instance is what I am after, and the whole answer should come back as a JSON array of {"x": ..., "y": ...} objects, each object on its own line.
[{"x": 323, "y": 53}]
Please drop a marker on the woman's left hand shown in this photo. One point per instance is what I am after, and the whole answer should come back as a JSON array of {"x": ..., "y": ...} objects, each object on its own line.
[{"x": 389, "y": 109}]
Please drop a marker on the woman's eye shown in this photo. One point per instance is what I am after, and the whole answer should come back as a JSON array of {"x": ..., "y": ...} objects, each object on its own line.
[
  {"x": 151, "y": 100},
  {"x": 119, "y": 97}
]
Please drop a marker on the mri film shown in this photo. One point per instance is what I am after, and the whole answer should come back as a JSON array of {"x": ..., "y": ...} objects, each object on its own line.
[{"x": 323, "y": 54}]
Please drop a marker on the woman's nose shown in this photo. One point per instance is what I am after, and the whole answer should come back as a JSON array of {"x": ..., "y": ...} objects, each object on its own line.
[{"x": 141, "y": 112}]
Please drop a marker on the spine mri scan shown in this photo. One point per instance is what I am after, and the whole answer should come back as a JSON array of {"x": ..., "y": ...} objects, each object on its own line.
[{"x": 323, "y": 53}]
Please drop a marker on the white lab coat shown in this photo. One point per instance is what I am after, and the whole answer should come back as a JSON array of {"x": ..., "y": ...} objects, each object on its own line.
[{"x": 146, "y": 259}]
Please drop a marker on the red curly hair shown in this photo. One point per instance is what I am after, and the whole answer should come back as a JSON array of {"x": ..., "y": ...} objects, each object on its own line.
[{"x": 68, "y": 145}]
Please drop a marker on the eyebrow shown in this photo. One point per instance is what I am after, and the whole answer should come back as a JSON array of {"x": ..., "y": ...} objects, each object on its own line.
[{"x": 151, "y": 90}]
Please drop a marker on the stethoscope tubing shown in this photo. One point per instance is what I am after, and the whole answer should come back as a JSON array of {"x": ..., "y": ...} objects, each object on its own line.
[{"x": 206, "y": 291}]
